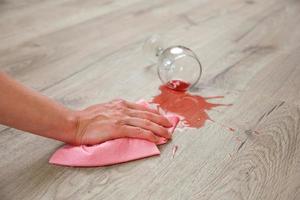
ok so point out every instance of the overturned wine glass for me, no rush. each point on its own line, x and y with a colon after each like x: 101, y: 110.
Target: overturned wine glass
x: 178, y: 67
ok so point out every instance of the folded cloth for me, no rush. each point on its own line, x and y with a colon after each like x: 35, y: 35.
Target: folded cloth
x: 109, y: 152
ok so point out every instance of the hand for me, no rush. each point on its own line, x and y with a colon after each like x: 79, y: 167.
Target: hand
x: 118, y: 119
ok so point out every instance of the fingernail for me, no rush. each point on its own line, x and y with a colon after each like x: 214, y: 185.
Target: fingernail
x: 161, y: 140
x: 169, y: 136
x: 169, y: 124
x: 157, y: 140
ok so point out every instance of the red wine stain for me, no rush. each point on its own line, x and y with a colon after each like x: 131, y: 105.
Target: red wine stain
x: 224, y: 126
x: 174, y: 150
x: 192, y: 107
x: 231, y: 129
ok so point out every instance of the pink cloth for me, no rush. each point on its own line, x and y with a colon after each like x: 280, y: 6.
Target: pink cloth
x: 110, y: 152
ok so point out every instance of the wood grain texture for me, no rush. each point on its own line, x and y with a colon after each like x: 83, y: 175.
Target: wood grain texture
x: 86, y: 52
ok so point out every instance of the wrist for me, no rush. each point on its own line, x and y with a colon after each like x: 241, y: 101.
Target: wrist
x: 70, y: 128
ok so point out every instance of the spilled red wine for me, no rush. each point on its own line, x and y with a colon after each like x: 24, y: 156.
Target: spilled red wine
x: 177, y: 100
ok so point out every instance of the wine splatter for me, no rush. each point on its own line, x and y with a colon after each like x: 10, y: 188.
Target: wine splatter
x: 225, y: 127
x: 174, y: 150
x: 231, y: 129
x: 192, y: 107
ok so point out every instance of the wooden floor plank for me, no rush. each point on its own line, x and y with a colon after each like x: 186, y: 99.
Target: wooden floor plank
x: 91, y: 41
x: 58, y: 54
x: 50, y: 16
x: 266, y: 165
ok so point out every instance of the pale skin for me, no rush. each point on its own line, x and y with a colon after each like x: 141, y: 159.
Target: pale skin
x: 25, y: 109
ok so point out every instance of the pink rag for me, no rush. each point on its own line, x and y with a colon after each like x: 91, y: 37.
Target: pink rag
x: 109, y: 152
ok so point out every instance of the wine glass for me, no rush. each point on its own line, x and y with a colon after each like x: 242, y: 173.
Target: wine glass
x: 178, y: 67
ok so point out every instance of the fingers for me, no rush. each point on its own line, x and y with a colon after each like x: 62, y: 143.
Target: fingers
x: 140, y: 111
x: 156, y: 118
x: 148, y: 125
x: 140, y: 107
x: 136, y: 132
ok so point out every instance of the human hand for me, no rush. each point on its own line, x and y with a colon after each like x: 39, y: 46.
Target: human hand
x: 118, y: 119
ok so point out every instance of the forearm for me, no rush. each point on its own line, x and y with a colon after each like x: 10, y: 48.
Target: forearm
x: 27, y: 110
